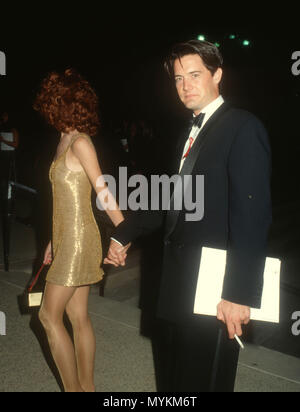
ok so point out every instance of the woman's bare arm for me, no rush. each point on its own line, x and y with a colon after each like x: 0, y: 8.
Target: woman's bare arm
x: 86, y: 154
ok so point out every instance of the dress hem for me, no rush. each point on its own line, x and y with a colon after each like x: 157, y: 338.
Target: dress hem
x: 75, y: 285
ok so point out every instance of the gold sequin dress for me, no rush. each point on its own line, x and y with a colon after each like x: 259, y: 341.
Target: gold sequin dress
x: 76, y: 240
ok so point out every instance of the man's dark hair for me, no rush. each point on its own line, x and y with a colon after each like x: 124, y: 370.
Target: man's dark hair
x: 208, y: 52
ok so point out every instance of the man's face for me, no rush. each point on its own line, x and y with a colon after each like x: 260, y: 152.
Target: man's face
x: 195, y: 84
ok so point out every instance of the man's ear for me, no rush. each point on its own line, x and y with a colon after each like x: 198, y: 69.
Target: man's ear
x: 218, y: 75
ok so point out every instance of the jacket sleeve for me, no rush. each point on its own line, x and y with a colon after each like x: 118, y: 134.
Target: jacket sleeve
x: 250, y: 215
x: 139, y: 223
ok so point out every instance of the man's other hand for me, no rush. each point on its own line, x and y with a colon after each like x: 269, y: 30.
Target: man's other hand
x: 233, y: 315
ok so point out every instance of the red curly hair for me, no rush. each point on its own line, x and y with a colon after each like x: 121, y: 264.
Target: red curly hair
x: 67, y: 101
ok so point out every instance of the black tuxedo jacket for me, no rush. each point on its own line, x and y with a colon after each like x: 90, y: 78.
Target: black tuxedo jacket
x: 232, y: 153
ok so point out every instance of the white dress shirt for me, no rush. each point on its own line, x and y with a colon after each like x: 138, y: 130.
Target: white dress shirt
x: 208, y: 111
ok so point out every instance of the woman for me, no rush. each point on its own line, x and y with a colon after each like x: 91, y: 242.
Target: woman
x: 68, y: 103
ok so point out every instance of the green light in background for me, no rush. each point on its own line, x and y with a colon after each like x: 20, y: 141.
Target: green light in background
x: 201, y: 37
x: 246, y: 43
x: 217, y: 44
x: 232, y: 36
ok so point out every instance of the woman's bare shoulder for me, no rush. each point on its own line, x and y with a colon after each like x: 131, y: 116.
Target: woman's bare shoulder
x: 82, y: 143
x: 81, y: 139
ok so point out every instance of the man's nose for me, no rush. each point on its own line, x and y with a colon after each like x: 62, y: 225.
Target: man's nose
x: 187, y: 84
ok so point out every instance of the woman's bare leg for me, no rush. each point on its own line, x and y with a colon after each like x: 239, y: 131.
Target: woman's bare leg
x: 51, y: 315
x: 84, y: 338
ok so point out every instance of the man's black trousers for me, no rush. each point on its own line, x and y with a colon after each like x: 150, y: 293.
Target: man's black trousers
x: 194, y: 355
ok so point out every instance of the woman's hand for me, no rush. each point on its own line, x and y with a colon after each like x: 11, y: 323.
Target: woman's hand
x: 117, y: 254
x: 48, y: 255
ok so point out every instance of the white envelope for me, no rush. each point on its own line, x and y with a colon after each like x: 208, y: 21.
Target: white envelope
x: 210, y: 286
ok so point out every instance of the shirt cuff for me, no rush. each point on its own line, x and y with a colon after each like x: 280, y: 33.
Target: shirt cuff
x: 115, y: 240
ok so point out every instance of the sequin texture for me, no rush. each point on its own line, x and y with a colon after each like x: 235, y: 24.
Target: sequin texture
x: 76, y: 240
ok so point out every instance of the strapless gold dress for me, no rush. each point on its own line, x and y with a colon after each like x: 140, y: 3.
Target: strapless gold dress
x: 76, y: 240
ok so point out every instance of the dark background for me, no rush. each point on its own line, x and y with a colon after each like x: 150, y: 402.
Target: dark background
x: 120, y: 49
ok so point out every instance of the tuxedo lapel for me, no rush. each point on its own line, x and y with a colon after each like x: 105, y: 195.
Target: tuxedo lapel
x: 189, y: 163
x: 179, y: 149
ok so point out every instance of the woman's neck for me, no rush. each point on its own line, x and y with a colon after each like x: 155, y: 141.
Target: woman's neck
x: 68, y: 135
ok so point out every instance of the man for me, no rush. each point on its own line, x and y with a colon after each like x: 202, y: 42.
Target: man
x: 230, y: 148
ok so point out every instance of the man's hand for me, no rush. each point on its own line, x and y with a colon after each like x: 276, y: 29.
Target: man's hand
x: 116, y: 254
x: 233, y: 315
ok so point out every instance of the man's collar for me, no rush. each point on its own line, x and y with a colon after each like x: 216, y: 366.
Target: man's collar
x: 212, y: 106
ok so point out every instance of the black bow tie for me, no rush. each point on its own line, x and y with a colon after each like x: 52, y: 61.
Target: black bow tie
x: 197, y: 120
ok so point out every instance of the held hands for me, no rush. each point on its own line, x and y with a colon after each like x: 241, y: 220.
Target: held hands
x: 116, y: 254
x: 233, y: 315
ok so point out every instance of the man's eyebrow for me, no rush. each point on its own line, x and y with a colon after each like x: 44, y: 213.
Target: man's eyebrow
x: 193, y: 72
